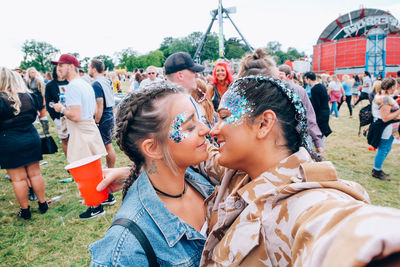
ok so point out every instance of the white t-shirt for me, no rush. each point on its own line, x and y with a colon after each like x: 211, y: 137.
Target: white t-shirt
x: 79, y: 93
x: 366, y: 81
x: 335, y: 86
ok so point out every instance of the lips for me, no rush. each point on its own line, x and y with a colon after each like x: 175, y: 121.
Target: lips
x: 202, y: 145
x: 221, y: 143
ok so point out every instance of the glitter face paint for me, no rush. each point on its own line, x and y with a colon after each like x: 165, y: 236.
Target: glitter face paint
x: 175, y: 132
x: 235, y: 102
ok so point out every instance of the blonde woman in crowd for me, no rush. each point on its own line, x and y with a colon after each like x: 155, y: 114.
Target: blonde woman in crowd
x: 34, y: 82
x: 335, y: 91
x: 347, y: 85
x: 20, y: 144
x: 115, y: 82
x: 209, y: 117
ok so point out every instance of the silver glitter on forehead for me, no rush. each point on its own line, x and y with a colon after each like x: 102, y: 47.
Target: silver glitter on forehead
x: 242, y: 107
x: 234, y: 101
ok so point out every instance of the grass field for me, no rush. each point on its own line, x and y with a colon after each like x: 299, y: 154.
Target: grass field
x: 59, y: 238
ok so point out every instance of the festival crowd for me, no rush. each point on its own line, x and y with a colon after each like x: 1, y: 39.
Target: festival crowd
x: 227, y: 167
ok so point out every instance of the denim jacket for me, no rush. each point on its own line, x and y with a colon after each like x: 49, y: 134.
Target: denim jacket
x: 174, y: 242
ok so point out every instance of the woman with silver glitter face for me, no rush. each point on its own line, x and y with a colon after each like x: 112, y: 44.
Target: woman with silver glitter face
x: 281, y: 208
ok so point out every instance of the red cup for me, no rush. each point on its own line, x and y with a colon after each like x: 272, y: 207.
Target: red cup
x: 87, y: 174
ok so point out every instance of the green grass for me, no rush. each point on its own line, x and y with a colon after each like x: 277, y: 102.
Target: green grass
x: 59, y: 238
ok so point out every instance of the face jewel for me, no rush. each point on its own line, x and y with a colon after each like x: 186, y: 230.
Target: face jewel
x: 175, y: 132
x: 236, y: 104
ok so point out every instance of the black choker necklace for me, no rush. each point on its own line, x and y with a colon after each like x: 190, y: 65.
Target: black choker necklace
x: 168, y: 195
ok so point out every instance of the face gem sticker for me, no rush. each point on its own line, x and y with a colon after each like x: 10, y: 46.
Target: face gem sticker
x: 236, y: 104
x: 176, y: 133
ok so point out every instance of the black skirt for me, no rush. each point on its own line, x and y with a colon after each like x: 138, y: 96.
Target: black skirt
x: 19, y: 147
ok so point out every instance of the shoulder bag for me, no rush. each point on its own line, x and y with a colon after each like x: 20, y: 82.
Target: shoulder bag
x: 141, y: 237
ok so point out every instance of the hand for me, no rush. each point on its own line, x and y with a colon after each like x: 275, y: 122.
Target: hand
x: 58, y: 106
x: 320, y: 150
x: 113, y: 179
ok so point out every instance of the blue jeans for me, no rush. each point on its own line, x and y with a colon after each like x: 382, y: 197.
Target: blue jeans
x: 334, y: 108
x: 383, y: 150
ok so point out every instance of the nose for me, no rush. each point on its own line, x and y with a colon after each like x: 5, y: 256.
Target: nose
x: 216, y: 129
x: 204, y: 130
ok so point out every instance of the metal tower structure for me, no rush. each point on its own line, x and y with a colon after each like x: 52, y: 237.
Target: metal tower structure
x: 376, y: 54
x: 221, y: 11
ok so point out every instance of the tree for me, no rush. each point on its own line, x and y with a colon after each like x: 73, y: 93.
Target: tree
x: 84, y: 63
x: 210, y: 50
x: 107, y: 60
x: 38, y: 55
x: 126, y: 58
x: 234, y: 48
x: 274, y: 49
x: 155, y: 58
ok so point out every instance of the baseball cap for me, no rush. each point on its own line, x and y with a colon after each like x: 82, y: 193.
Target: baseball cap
x: 181, y: 61
x: 67, y: 59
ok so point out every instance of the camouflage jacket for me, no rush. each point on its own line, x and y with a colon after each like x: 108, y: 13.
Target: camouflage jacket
x: 296, y: 214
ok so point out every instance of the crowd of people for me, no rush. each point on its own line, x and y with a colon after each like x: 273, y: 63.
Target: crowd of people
x: 227, y: 168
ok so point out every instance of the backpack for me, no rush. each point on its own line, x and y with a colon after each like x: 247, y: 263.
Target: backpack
x: 365, y: 117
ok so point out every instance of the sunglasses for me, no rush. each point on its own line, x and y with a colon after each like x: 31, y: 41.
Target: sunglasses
x: 151, y: 73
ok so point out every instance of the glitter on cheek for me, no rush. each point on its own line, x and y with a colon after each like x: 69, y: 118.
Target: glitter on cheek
x: 175, y: 132
x: 237, y: 105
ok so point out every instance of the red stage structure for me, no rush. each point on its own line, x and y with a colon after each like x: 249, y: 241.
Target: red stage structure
x: 364, y: 39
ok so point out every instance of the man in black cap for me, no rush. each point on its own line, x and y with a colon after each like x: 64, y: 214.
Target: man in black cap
x: 181, y: 69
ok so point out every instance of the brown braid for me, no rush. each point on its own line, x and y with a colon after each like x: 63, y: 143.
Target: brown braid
x: 139, y: 116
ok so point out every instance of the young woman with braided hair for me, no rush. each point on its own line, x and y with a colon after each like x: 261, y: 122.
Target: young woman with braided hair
x: 158, y: 130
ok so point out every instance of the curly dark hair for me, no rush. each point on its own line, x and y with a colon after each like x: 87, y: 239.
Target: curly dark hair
x: 141, y: 115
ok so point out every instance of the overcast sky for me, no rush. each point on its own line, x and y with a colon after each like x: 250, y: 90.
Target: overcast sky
x: 91, y: 28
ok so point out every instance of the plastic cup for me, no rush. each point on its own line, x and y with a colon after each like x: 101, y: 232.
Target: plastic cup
x: 87, y: 174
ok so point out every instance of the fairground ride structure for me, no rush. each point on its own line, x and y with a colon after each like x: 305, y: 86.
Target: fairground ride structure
x: 362, y: 40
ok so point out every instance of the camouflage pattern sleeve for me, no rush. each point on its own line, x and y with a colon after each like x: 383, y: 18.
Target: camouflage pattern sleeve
x: 298, y: 214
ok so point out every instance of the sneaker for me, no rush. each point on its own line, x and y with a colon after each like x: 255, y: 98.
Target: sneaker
x: 31, y: 194
x: 110, y: 201
x: 25, y: 213
x: 43, y: 207
x: 92, y: 212
x: 379, y: 175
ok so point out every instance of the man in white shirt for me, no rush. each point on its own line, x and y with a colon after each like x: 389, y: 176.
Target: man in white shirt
x: 85, y: 139
x: 152, y: 77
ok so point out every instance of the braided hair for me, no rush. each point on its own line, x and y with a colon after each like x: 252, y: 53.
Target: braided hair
x: 141, y: 115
